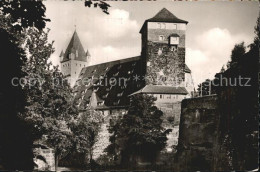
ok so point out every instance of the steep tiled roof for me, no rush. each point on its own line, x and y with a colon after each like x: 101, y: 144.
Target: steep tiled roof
x: 160, y: 89
x: 75, y: 45
x: 164, y: 16
x: 107, y: 94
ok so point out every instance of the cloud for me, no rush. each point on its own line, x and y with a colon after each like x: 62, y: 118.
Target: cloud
x: 113, y: 36
x: 212, y: 50
x: 118, y: 24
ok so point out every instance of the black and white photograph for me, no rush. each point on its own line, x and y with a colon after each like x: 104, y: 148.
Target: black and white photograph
x: 95, y: 85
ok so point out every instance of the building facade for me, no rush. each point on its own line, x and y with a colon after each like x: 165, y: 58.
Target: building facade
x: 160, y: 69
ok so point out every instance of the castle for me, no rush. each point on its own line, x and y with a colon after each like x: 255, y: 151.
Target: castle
x: 160, y: 71
x: 161, y: 63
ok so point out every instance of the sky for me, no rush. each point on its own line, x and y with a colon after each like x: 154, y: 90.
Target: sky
x: 213, y: 30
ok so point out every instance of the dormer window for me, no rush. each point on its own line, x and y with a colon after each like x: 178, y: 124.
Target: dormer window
x: 174, y: 39
x: 161, y: 38
x: 100, y: 103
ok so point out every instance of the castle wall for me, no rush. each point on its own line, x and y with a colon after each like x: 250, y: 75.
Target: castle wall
x: 198, y: 134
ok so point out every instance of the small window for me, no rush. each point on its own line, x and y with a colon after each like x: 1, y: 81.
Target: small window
x: 76, y: 64
x: 174, y: 38
x: 160, y: 51
x: 175, y: 26
x: 75, y: 72
x: 80, y: 65
x: 161, y: 96
x: 161, y: 38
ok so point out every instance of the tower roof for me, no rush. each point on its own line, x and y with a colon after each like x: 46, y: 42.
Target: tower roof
x: 61, y: 53
x: 164, y: 16
x: 87, y: 53
x: 75, y: 45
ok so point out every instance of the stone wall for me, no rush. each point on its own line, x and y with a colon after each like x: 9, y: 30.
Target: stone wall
x: 198, y: 134
x: 165, y: 66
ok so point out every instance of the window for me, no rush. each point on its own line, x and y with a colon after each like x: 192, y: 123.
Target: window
x: 174, y: 40
x: 161, y: 38
x: 75, y: 72
x: 161, y: 96
x: 76, y: 64
x: 160, y: 51
x: 175, y: 26
x: 80, y: 65
x: 173, y: 47
x: 169, y: 97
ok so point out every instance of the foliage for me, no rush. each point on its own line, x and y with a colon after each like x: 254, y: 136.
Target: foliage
x: 85, y: 128
x: 239, y: 108
x: 101, y: 4
x: 139, y: 133
x: 49, y: 105
x: 25, y: 14
x: 207, y: 88
x: 16, y: 142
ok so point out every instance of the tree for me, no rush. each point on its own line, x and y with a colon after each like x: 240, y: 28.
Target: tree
x: 16, y: 143
x: 25, y: 14
x: 85, y: 130
x: 49, y: 105
x: 222, y: 69
x: 139, y: 133
x: 237, y: 52
x: 101, y: 4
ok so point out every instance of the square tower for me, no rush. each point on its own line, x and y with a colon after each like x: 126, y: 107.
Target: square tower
x: 74, y: 59
x: 163, y: 48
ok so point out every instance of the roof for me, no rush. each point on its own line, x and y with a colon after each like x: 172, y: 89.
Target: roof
x: 161, y: 89
x: 174, y: 35
x: 164, y: 16
x: 187, y: 69
x: 107, y: 95
x: 75, y: 45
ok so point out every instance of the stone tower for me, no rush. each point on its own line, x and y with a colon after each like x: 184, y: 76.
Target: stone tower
x: 74, y: 59
x: 163, y: 48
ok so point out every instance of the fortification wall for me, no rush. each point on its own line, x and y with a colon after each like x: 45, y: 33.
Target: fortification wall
x: 198, y: 134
